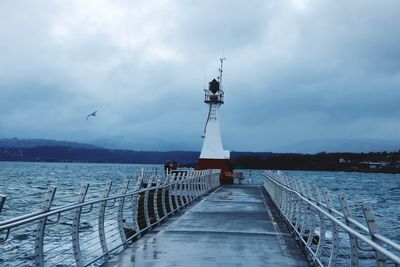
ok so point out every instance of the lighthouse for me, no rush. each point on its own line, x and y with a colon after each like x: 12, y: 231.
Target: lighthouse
x: 213, y: 155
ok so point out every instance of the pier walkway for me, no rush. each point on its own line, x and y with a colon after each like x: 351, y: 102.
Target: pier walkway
x: 233, y: 226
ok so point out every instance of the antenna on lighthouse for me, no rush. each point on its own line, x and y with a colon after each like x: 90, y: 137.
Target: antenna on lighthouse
x: 221, y: 71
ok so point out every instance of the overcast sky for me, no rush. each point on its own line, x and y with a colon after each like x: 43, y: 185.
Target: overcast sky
x: 296, y: 70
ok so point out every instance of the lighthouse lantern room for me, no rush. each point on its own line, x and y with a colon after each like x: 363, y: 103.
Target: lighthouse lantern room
x: 213, y: 155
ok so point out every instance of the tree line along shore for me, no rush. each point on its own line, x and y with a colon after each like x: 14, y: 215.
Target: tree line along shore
x: 386, y: 162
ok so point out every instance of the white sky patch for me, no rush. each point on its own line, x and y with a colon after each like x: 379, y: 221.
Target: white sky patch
x: 163, y: 53
x: 129, y: 26
x: 300, y: 4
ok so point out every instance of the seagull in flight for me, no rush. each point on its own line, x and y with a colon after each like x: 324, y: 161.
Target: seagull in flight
x: 91, y: 114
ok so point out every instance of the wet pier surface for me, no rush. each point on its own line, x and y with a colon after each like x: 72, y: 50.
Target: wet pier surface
x: 234, y: 226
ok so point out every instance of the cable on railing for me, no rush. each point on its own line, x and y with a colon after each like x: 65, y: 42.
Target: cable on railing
x: 278, y: 187
x: 159, y: 190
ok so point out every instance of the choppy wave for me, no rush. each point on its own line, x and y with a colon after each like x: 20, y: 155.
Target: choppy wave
x: 25, y: 185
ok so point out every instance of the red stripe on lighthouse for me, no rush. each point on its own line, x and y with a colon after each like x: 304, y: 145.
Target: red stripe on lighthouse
x: 221, y: 164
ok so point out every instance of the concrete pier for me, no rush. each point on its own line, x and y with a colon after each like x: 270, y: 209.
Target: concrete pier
x: 233, y: 226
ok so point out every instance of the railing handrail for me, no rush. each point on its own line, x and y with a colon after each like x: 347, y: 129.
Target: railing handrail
x: 322, y: 208
x: 171, y: 191
x: 351, y: 220
x: 36, y: 215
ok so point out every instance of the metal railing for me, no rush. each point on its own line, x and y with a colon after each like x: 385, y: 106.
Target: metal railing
x: 218, y: 97
x: 326, y: 228
x: 90, y: 230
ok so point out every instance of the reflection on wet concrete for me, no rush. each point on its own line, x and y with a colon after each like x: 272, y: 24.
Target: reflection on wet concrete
x: 231, y: 227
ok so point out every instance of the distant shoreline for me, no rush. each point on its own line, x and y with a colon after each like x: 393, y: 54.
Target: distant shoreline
x: 374, y: 162
x: 193, y: 165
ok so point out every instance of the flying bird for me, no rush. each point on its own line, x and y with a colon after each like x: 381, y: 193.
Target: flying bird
x: 91, y: 114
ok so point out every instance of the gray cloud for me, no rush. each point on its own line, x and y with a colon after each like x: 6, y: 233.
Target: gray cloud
x: 296, y: 70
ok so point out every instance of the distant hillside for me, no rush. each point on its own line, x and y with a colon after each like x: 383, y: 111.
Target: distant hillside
x: 93, y: 155
x: 25, y: 143
x: 101, y: 155
x: 366, y: 162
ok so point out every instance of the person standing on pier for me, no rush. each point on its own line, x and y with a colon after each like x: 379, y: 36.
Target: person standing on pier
x: 167, y: 168
x: 174, y: 165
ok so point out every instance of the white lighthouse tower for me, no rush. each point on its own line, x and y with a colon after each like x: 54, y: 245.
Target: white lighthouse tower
x: 213, y: 155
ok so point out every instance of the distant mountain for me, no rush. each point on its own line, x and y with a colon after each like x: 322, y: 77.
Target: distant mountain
x: 94, y: 155
x: 28, y: 143
x: 341, y: 145
x: 143, y: 143
x: 15, y: 149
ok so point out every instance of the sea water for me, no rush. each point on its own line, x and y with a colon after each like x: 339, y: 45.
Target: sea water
x: 25, y: 185
x: 28, y: 182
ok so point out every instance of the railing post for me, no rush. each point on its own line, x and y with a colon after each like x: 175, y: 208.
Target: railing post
x: 190, y: 182
x: 202, y: 182
x: 321, y: 241
x: 278, y: 195
x: 176, y: 191
x: 292, y: 203
x: 216, y: 179
x: 312, y: 219
x: 101, y: 220
x: 286, y: 195
x: 305, y: 212
x: 197, y: 188
x: 202, y: 175
x: 75, y: 227
x: 209, y: 177
x: 205, y: 178
x: 186, y: 189
x: 299, y: 209
x: 371, y: 224
x: 353, y: 240
x: 335, y: 232
x: 179, y: 189
x: 2, y: 201
x: 182, y: 190
x: 211, y: 180
x: 281, y: 196
x: 39, y: 255
x: 171, y: 189
x: 146, y: 203
x: 120, y: 213
x: 135, y: 205
x: 163, y: 197
x: 155, y: 200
